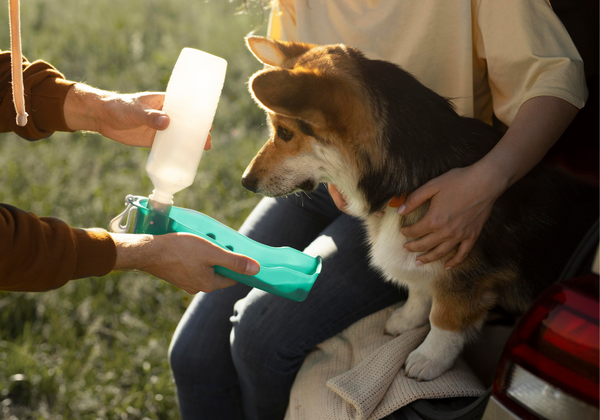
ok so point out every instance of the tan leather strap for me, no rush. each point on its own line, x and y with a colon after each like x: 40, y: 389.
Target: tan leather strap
x: 16, y: 62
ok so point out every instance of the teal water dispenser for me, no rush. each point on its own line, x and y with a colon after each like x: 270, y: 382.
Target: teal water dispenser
x: 191, y: 100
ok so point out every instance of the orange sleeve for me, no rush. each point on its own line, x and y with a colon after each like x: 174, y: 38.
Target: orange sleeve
x: 44, y: 253
x: 38, y: 254
x: 45, y: 92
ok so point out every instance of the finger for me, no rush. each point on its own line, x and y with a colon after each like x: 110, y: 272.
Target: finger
x: 418, y: 230
x: 423, y: 244
x: 236, y: 262
x: 208, y: 144
x: 434, y: 220
x: 436, y: 253
x: 463, y: 252
x: 417, y: 198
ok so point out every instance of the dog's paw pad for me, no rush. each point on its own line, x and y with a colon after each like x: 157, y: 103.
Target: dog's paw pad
x: 423, y: 368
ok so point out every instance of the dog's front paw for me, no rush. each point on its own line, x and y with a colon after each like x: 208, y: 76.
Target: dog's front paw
x: 435, y: 355
x: 402, y: 320
x: 423, y: 367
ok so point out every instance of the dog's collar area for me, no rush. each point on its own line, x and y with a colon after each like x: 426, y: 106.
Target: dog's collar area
x: 397, y: 201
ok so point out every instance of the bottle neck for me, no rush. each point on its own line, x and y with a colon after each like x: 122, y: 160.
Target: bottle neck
x: 160, y: 202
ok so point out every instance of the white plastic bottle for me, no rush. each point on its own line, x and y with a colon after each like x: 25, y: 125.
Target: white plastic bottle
x: 191, y: 101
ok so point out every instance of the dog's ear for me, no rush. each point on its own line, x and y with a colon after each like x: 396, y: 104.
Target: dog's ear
x: 299, y: 93
x: 275, y: 53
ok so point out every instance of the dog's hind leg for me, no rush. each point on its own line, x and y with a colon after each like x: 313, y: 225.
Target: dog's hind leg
x: 413, y: 314
x: 455, y: 320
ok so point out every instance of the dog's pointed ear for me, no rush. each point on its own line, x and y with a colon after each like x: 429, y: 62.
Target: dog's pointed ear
x: 275, y: 53
x: 294, y: 93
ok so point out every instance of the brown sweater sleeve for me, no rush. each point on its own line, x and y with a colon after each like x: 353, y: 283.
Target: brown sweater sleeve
x: 38, y: 254
x: 45, y: 92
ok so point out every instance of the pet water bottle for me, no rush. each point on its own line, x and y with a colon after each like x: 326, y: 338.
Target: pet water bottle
x: 191, y: 101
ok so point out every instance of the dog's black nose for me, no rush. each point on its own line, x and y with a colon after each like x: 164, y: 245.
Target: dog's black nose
x: 249, y: 182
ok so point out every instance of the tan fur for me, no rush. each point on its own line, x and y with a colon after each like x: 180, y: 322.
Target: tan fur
x: 306, y: 87
x: 279, y: 54
x: 459, y: 311
x: 276, y: 151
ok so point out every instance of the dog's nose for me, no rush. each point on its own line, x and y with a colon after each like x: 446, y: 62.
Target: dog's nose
x: 249, y: 182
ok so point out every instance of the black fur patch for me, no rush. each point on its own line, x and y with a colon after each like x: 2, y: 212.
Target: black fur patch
x: 534, y: 225
x: 306, y: 128
x: 423, y: 135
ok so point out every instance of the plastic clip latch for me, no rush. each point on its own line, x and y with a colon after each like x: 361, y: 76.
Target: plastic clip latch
x: 115, y: 224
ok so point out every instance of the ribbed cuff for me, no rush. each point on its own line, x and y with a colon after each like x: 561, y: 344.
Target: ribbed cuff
x: 47, y: 104
x: 96, y: 253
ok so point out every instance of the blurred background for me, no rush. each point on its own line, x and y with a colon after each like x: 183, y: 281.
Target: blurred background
x: 97, y: 348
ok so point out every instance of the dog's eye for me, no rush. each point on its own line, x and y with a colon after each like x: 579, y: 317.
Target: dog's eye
x: 284, y: 134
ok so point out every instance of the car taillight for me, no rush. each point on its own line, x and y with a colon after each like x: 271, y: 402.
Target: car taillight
x: 549, y: 368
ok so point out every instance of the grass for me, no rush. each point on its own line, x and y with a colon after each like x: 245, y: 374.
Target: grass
x: 97, y: 348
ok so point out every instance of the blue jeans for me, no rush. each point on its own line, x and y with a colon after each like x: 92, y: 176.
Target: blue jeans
x: 236, y: 351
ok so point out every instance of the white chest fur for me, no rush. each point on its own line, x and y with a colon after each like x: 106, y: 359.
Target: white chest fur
x: 388, y: 254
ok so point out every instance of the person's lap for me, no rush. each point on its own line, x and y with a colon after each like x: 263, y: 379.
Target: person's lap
x: 243, y: 366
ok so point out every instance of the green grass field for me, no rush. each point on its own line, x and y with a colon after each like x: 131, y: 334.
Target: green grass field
x: 97, y: 348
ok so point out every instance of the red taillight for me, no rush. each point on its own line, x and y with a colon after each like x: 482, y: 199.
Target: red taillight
x: 549, y: 367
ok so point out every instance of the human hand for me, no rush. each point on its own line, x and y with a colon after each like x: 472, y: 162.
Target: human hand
x: 186, y: 261
x: 461, y: 202
x: 131, y: 119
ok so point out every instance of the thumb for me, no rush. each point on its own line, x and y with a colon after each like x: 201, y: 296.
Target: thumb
x: 417, y: 198
x: 237, y: 262
x: 156, y: 119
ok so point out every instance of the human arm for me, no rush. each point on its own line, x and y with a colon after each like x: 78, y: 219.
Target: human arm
x: 55, y: 104
x: 44, y: 253
x: 537, y: 84
x: 131, y: 119
x: 462, y: 199
x: 45, y: 90
x: 182, y: 259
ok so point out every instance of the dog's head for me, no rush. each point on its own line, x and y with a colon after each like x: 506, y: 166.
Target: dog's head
x: 329, y: 112
x: 319, y: 115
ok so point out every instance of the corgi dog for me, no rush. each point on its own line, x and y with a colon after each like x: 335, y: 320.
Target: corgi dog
x: 376, y: 132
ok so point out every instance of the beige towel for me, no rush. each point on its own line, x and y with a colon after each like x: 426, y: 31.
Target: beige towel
x: 358, y: 375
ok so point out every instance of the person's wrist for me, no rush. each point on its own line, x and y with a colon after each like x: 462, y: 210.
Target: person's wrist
x: 135, y: 251
x: 495, y: 175
x: 83, y: 107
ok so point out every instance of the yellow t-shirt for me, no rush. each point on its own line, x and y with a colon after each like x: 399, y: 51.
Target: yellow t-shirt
x: 487, y: 56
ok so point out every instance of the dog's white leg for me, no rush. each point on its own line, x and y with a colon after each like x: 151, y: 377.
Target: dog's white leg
x: 413, y: 314
x: 451, y: 329
x: 436, y: 354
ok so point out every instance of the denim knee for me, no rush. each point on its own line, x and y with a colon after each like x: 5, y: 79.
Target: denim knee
x: 195, y: 365
x: 260, y: 343
x: 182, y: 362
